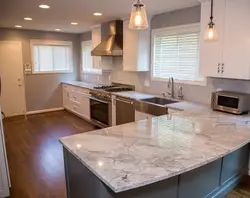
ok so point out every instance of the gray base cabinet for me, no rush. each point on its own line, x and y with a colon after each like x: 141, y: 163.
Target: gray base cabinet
x: 215, y: 180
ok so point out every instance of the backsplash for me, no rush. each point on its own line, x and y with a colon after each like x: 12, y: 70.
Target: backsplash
x: 195, y: 93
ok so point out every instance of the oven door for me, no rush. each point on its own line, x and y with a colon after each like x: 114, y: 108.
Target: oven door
x: 100, y: 112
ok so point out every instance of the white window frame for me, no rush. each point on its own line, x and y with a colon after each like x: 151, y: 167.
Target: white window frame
x: 174, y: 29
x: 89, y: 70
x: 52, y: 43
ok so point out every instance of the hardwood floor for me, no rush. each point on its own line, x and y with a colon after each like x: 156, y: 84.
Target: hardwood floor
x: 242, y: 191
x: 35, y: 155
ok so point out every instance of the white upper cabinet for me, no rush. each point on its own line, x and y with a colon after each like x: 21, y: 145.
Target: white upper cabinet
x: 96, y: 40
x: 229, y: 57
x: 236, y: 53
x: 136, y: 49
x: 211, y: 53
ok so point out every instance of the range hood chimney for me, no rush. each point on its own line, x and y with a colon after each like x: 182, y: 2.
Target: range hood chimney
x: 113, y: 44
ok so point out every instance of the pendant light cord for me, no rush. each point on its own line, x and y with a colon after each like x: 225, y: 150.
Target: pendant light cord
x: 212, y: 10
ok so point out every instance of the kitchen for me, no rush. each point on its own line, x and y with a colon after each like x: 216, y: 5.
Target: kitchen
x: 52, y: 52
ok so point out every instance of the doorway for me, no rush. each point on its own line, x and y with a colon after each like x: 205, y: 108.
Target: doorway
x: 12, y: 79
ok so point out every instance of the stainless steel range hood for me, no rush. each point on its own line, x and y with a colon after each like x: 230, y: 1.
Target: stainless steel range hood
x: 113, y: 44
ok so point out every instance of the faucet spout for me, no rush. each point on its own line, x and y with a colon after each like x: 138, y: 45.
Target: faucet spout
x: 171, y: 86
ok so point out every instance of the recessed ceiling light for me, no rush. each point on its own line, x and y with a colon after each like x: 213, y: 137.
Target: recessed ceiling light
x: 28, y: 19
x: 44, y: 6
x: 97, y: 14
x: 58, y: 30
x: 74, y: 23
x: 18, y: 26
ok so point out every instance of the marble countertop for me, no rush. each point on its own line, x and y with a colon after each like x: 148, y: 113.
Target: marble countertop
x: 136, y: 154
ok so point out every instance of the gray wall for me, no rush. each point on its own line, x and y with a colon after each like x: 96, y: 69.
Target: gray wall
x: 200, y: 94
x: 43, y: 90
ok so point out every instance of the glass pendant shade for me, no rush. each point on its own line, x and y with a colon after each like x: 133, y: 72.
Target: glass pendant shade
x: 211, y: 33
x: 138, y: 18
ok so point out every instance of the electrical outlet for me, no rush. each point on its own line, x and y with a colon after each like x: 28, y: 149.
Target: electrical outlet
x: 146, y: 83
x: 98, y: 78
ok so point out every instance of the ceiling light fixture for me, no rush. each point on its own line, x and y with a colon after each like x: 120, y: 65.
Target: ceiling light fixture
x: 74, y: 23
x: 210, y: 32
x: 28, y: 19
x: 138, y: 18
x: 58, y: 30
x: 18, y: 26
x: 44, y: 6
x: 97, y: 14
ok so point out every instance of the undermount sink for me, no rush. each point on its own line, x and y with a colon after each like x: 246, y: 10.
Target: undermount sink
x: 159, y: 101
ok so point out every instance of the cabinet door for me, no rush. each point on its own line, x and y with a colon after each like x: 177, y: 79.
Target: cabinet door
x: 65, y: 96
x: 130, y: 48
x: 236, y: 54
x: 211, y: 52
x: 96, y: 40
x: 85, y: 106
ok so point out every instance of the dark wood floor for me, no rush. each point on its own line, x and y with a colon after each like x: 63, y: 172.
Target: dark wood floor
x: 35, y: 155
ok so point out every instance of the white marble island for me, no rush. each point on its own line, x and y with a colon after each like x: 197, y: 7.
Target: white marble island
x: 138, y: 154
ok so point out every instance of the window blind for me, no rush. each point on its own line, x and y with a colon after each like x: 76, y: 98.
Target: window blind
x: 87, y: 60
x: 51, y: 58
x: 176, y: 54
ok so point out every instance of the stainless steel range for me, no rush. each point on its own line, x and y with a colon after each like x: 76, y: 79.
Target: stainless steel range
x: 101, y: 103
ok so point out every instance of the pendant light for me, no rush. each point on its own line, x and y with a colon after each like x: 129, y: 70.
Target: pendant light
x: 211, y: 33
x: 138, y: 18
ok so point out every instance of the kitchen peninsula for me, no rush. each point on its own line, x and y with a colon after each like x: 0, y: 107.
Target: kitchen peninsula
x: 185, y: 154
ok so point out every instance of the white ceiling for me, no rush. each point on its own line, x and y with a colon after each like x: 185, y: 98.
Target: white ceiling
x: 62, y: 12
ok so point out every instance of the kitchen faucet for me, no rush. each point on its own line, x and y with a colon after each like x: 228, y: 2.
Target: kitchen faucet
x: 171, y: 85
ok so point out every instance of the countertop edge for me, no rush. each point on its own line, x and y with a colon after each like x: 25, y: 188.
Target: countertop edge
x: 126, y: 188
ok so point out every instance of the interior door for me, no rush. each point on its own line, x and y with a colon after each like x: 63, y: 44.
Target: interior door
x: 12, y: 77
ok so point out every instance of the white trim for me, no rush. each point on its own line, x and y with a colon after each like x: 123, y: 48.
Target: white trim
x: 88, y: 70
x: 45, y: 111
x: 174, y: 29
x: 188, y: 82
x: 53, y: 43
x: 169, y: 30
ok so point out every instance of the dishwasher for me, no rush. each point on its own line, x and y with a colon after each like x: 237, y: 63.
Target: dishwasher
x: 125, y: 110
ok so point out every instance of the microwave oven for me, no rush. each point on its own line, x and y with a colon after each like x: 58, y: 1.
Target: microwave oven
x: 230, y: 102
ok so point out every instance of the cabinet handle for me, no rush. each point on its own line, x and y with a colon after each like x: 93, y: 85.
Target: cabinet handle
x: 222, y: 68
x: 218, y: 71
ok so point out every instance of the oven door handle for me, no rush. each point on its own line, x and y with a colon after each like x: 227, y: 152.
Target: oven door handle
x: 92, y: 98
x: 125, y: 101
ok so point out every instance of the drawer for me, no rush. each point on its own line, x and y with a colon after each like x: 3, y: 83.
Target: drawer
x: 66, y: 87
x: 80, y: 90
x: 75, y: 106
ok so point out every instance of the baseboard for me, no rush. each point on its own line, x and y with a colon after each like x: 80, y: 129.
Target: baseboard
x: 225, y: 188
x: 44, y: 111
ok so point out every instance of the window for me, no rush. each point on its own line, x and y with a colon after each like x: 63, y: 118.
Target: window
x: 175, y: 53
x: 51, y: 57
x: 87, y: 59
